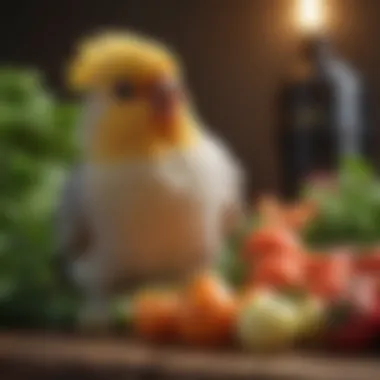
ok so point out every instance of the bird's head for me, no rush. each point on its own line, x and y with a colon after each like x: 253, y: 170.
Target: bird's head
x: 136, y: 103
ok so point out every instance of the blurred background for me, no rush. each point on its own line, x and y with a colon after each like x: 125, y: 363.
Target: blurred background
x: 236, y: 54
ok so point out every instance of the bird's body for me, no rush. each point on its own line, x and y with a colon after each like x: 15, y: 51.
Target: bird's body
x: 155, y: 219
x: 156, y: 192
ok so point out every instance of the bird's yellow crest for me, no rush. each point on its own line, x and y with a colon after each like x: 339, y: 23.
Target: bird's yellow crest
x: 104, y: 57
x: 147, y: 114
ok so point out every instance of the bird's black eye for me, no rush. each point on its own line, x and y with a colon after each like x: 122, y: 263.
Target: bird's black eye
x: 123, y: 91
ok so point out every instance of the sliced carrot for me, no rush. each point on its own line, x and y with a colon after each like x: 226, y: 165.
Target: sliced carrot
x: 208, y: 312
x: 297, y: 216
x: 329, y: 276
x: 267, y: 241
x: 156, y: 316
x: 294, y: 216
x: 282, y: 270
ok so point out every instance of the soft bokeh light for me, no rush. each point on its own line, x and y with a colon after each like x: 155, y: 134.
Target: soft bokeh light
x: 310, y: 15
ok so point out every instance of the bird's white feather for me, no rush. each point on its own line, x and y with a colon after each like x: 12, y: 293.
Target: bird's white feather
x: 161, y: 216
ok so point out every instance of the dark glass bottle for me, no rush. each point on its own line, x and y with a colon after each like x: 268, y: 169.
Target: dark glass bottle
x: 321, y: 117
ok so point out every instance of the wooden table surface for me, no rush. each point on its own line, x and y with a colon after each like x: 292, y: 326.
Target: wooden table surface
x: 30, y: 356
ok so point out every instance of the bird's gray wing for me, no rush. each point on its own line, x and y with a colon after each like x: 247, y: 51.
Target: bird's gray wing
x: 236, y: 198
x: 73, y: 235
x: 234, y: 184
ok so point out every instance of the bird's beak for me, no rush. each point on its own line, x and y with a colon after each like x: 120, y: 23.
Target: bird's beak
x: 165, y: 100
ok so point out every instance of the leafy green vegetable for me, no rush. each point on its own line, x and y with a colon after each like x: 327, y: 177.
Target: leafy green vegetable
x: 350, y: 210
x: 36, y: 146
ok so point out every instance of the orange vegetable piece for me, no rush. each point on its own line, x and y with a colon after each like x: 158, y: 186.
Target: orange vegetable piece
x: 208, y: 313
x: 267, y: 241
x: 297, y: 216
x: 329, y: 276
x: 282, y: 270
x: 156, y: 316
x: 292, y: 216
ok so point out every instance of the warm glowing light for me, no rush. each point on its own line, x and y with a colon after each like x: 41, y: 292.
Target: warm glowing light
x: 310, y: 15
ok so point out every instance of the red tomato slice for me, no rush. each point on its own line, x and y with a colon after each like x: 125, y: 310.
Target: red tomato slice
x: 368, y: 262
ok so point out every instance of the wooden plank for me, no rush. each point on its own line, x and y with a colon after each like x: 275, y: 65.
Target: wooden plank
x: 46, y: 356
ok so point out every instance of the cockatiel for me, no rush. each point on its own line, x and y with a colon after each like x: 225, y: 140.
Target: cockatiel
x: 156, y: 192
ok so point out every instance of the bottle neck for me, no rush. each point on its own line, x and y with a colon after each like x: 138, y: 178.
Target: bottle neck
x: 315, y: 54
